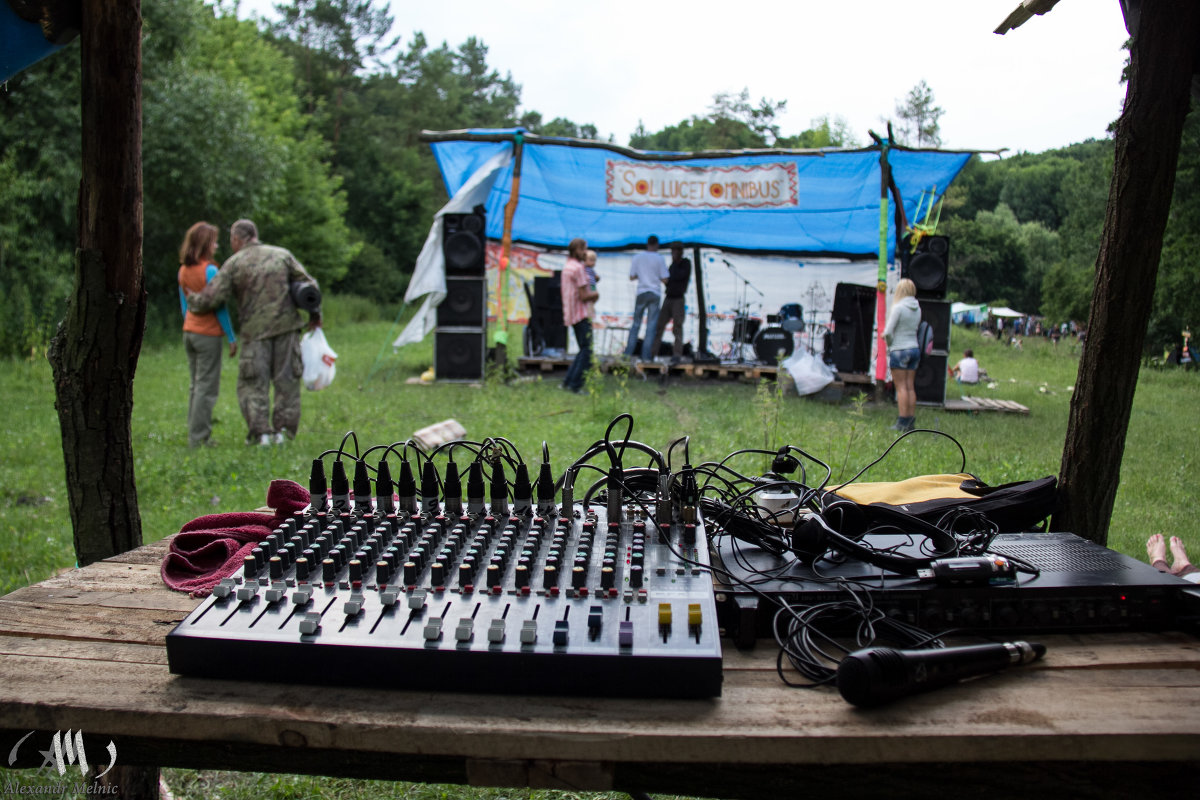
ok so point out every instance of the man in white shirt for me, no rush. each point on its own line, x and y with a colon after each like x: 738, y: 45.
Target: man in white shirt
x: 650, y: 271
x: 967, y: 369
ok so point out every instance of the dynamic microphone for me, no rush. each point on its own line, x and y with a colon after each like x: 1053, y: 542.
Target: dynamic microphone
x: 878, y: 675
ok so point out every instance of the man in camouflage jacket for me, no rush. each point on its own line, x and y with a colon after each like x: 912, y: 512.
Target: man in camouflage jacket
x: 260, y: 276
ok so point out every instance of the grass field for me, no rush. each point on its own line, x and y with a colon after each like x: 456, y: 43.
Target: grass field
x: 176, y: 484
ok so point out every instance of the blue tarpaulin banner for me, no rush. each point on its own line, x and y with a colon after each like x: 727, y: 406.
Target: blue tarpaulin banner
x: 803, y: 202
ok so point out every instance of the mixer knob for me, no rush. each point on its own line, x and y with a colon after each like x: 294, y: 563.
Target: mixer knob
x: 549, y: 577
x: 410, y: 573
x: 494, y: 576
x: 328, y: 571
x: 383, y: 572
x: 521, y: 575
x: 276, y: 567
x: 437, y: 573
x: 249, y: 569
x: 302, y: 568
x: 466, y: 575
x: 578, y: 577
x: 689, y: 533
x: 607, y: 575
x: 635, y: 576
x: 355, y: 570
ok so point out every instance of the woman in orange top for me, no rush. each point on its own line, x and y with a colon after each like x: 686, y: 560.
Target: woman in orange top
x: 202, y: 332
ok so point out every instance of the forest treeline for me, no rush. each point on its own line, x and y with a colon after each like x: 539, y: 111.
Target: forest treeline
x: 308, y: 123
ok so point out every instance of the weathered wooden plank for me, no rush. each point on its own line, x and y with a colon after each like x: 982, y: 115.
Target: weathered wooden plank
x: 1132, y: 714
x: 110, y: 652
x: 88, y: 622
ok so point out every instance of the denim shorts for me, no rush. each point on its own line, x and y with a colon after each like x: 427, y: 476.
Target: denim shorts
x: 908, y: 358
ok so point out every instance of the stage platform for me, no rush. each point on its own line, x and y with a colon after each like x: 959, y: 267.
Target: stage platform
x: 748, y: 371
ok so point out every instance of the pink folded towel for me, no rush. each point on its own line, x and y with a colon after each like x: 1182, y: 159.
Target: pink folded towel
x: 214, y: 546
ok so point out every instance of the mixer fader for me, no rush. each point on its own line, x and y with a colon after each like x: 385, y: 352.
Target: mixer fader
x: 426, y: 592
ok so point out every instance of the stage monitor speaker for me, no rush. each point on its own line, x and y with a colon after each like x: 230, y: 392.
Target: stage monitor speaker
x: 937, y: 314
x: 459, y: 353
x: 464, y: 243
x: 930, y: 380
x: 848, y: 350
x: 547, y: 293
x: 853, y: 323
x: 465, y: 304
x: 928, y: 266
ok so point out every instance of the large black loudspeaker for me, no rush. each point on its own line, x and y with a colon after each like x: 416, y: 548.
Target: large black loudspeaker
x: 458, y: 354
x: 546, y: 316
x: 853, y: 322
x: 927, y: 266
x: 465, y: 304
x: 464, y: 243
x: 930, y: 380
x: 937, y: 314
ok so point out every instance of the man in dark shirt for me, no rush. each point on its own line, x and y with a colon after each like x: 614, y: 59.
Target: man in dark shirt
x: 678, y: 276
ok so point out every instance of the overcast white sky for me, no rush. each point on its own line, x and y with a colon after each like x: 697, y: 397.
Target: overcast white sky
x: 1052, y: 82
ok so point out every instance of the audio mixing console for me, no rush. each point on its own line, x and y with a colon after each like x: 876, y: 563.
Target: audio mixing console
x: 586, y: 599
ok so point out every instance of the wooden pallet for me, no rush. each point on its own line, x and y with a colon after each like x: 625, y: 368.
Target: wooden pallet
x: 976, y: 404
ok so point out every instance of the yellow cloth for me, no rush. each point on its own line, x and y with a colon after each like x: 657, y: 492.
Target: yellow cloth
x: 912, y: 490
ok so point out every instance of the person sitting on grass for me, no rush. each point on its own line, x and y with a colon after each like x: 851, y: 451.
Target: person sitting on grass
x: 967, y: 368
x: 1156, y: 549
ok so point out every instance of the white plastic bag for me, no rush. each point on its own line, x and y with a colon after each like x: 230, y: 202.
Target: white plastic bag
x: 320, y: 362
x: 810, y: 373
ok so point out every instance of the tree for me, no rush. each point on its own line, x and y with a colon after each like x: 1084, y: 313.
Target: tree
x: 918, y: 118
x: 733, y: 123
x: 826, y: 131
x: 1148, y: 136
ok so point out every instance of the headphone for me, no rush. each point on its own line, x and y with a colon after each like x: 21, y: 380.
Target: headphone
x: 841, y: 524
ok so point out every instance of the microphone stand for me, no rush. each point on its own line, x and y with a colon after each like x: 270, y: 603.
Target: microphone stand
x: 742, y: 310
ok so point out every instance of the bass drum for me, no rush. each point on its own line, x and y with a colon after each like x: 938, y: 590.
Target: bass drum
x: 773, y: 344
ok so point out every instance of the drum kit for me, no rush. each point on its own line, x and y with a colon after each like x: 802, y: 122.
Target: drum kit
x: 772, y: 342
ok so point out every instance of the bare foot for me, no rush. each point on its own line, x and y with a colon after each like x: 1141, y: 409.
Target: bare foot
x: 1156, y: 548
x: 1178, y: 555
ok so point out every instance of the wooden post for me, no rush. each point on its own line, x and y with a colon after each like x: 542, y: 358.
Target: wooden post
x: 500, y: 340
x: 95, y: 352
x: 701, y: 302
x: 885, y: 177
x: 1165, y: 45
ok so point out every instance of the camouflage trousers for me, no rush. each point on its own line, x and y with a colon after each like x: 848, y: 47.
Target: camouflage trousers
x: 270, y: 361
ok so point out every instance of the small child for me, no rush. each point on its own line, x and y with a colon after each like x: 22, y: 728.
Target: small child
x: 589, y: 266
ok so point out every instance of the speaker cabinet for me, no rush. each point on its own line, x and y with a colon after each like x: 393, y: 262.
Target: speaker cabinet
x: 464, y: 243
x: 928, y: 266
x: 853, y: 323
x: 465, y: 305
x: 459, y: 353
x: 930, y: 380
x: 937, y: 314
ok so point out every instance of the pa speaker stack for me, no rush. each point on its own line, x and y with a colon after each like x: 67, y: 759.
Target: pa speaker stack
x: 853, y: 322
x: 459, y: 344
x: 928, y: 265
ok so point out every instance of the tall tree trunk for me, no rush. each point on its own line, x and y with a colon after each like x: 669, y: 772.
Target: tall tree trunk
x: 1163, y: 58
x: 95, y: 351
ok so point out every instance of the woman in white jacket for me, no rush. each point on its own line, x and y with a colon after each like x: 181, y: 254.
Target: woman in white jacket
x: 904, y: 354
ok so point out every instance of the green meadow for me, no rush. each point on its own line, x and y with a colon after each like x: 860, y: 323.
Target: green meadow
x: 176, y: 484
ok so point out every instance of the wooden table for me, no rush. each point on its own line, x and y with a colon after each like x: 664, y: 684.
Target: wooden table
x: 1102, y: 715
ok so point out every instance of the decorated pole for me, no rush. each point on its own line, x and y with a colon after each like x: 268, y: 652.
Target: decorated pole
x: 500, y: 338
x: 885, y: 178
